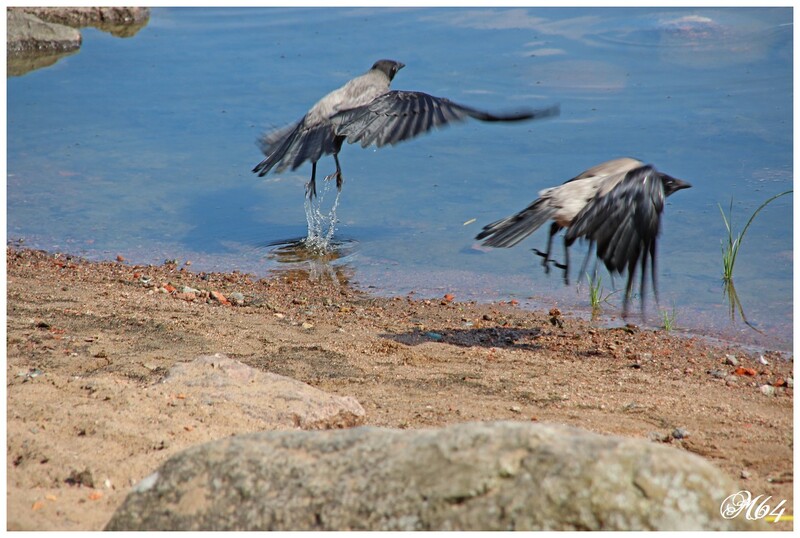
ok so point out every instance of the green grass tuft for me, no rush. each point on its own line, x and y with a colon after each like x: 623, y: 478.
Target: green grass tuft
x: 731, y: 249
x: 668, y: 319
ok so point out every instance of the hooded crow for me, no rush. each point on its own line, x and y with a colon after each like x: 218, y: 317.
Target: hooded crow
x: 364, y: 110
x: 616, y: 205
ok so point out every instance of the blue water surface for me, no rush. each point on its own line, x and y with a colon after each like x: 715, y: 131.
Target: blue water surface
x: 143, y: 146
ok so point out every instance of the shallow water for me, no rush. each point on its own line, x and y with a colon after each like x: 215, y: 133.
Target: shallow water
x: 142, y: 147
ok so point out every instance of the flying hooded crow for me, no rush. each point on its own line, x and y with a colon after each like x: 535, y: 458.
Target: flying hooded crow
x: 365, y: 110
x: 616, y: 205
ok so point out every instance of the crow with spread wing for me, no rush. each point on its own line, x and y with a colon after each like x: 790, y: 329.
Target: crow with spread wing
x: 365, y: 110
x: 616, y: 205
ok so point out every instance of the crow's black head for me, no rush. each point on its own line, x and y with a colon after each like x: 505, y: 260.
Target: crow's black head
x: 389, y: 67
x: 672, y: 184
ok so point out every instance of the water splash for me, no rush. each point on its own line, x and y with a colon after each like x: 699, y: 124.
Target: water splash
x: 321, y: 225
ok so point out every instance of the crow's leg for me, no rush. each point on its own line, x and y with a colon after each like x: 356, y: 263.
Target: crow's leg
x: 565, y: 267
x: 311, y: 186
x: 337, y: 174
x: 554, y: 227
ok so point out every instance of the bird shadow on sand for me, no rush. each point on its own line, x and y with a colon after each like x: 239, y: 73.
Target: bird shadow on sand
x: 497, y: 337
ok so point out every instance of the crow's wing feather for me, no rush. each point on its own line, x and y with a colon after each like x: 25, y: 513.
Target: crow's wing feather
x: 309, y: 145
x: 625, y: 222
x: 290, y: 146
x: 399, y: 115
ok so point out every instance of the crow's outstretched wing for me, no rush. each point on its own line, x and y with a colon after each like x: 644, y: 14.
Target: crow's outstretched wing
x: 626, y: 221
x: 399, y: 115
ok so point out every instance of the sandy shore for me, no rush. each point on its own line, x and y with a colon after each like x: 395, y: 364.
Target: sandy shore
x: 86, y: 340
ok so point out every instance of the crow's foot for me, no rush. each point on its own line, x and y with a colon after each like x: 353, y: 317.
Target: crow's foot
x: 339, y: 178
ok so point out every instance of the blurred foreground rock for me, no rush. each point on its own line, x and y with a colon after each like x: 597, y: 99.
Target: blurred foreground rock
x: 474, y: 476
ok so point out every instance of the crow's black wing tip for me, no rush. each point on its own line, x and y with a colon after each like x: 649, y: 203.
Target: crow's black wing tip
x: 522, y: 115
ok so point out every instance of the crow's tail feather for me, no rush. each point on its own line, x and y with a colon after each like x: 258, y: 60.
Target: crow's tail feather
x: 274, y: 145
x: 511, y: 230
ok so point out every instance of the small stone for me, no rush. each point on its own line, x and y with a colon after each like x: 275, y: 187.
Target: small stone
x: 515, y: 409
x: 789, y: 382
x: 762, y: 360
x: 237, y: 298
x: 679, y: 433
x: 307, y: 325
x: 720, y: 374
x: 745, y: 474
x: 658, y: 437
x: 189, y: 289
x: 217, y: 296
x: 82, y: 478
x: 767, y: 390
x: 731, y: 360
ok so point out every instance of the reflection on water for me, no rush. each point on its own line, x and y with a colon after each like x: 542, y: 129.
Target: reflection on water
x: 19, y: 64
x: 735, y: 304
x: 300, y: 250
x: 301, y: 259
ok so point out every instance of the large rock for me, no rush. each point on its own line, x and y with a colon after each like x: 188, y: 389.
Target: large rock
x: 476, y: 476
x: 274, y: 400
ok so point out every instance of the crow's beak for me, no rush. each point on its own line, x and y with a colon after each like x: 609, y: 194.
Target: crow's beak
x: 400, y: 65
x: 672, y: 184
x: 677, y: 184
